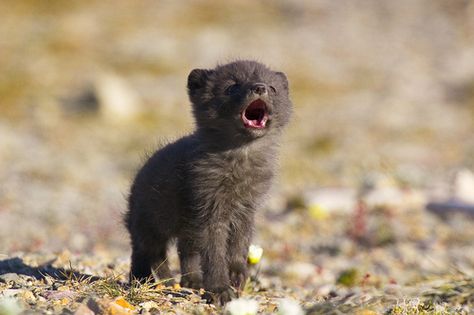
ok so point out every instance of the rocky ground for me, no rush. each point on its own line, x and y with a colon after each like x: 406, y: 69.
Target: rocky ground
x: 386, y: 260
x: 383, y: 125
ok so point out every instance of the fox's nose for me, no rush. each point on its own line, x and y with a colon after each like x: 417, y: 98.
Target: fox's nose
x: 259, y: 88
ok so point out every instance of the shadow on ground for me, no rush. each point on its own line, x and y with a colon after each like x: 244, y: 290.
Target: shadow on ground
x: 18, y: 266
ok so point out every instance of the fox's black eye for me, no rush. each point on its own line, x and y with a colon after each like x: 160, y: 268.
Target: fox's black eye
x: 232, y: 89
x: 272, y: 88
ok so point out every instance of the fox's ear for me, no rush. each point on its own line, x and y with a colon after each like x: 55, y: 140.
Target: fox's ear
x: 283, y: 79
x: 197, y: 79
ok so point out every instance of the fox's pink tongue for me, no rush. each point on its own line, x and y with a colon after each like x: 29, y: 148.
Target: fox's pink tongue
x: 256, y: 123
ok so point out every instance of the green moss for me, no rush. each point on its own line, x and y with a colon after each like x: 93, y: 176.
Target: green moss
x: 348, y: 278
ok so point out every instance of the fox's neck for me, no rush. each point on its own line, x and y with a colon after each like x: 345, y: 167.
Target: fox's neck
x: 214, y: 142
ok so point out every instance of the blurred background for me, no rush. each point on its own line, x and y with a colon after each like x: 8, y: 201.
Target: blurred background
x: 384, y: 107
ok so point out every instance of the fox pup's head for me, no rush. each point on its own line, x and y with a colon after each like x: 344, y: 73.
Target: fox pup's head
x: 239, y: 100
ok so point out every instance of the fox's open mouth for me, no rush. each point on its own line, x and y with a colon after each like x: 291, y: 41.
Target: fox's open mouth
x: 255, y: 115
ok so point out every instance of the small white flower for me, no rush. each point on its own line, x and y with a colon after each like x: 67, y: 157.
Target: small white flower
x: 414, y: 303
x: 242, y: 307
x: 255, y: 254
x: 289, y: 307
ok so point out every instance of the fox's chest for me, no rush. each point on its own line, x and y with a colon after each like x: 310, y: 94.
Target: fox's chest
x: 231, y: 180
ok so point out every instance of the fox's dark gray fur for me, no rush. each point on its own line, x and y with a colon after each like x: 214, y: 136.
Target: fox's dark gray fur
x: 204, y: 188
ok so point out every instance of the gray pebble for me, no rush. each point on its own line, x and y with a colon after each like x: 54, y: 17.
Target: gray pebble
x: 10, y: 278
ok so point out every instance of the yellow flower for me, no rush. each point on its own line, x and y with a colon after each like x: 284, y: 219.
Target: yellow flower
x: 318, y: 212
x: 255, y: 254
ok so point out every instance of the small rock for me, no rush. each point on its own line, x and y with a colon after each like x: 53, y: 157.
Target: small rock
x: 324, y: 290
x: 58, y: 295
x: 464, y: 186
x: 148, y: 305
x: 384, y: 196
x: 83, y: 310
x: 95, y: 305
x: 79, y: 242
x: 332, y: 199
x: 365, y: 312
x: 11, y: 292
x: 62, y: 288
x: 300, y: 270
x: 118, y: 101
x: 10, y: 278
x: 28, y: 296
